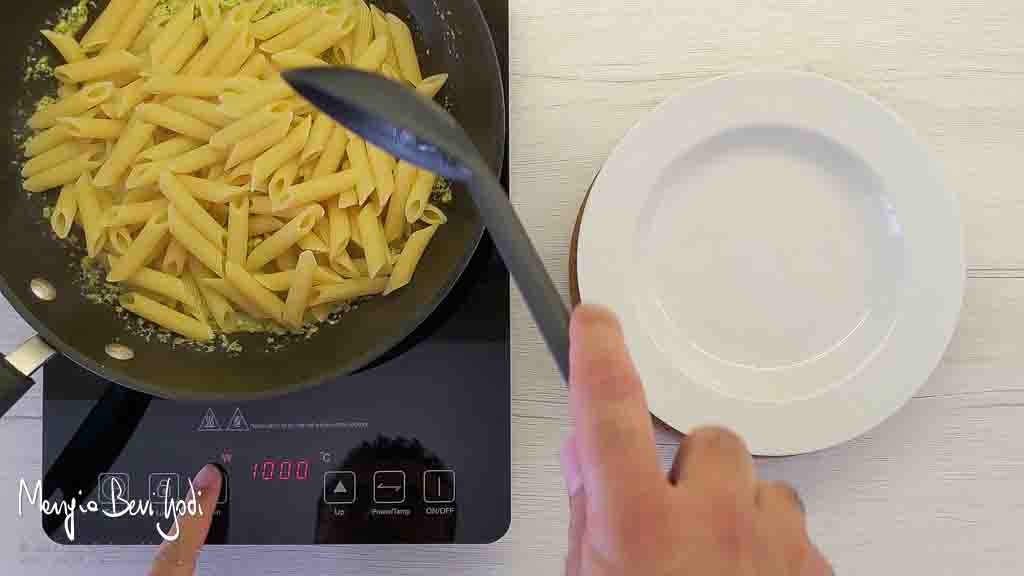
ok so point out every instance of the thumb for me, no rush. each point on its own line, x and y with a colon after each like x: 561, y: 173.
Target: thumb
x: 615, y: 438
x: 178, y: 557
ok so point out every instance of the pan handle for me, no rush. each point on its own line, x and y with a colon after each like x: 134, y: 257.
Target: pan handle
x: 17, y: 368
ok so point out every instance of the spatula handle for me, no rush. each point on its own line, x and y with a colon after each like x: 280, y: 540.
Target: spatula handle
x: 515, y: 247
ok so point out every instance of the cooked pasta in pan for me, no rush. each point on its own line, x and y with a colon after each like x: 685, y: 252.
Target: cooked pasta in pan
x: 211, y: 191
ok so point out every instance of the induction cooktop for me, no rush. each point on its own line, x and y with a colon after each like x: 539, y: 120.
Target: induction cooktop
x: 416, y: 449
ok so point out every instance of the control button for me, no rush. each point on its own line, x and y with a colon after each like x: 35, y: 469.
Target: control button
x: 113, y: 486
x: 163, y: 487
x: 439, y: 486
x: 389, y: 487
x: 340, y: 487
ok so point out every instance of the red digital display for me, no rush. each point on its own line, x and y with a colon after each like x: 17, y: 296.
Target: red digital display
x: 280, y: 469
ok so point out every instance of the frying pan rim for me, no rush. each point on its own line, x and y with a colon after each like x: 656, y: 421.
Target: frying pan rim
x: 112, y: 374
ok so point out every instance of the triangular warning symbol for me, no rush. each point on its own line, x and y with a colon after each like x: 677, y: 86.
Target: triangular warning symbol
x: 237, y: 422
x: 209, y: 423
x: 340, y: 488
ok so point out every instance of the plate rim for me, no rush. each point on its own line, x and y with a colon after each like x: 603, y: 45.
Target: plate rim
x: 924, y: 171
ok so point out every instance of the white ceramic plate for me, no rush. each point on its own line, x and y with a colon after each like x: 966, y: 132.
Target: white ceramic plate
x: 783, y: 256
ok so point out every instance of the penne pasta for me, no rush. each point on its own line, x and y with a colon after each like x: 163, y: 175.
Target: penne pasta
x: 313, y: 243
x: 361, y: 164
x: 130, y: 27
x: 202, y: 110
x: 296, y: 58
x: 160, y: 283
x: 255, y: 67
x: 279, y: 154
x: 169, y: 149
x: 282, y: 281
x: 348, y: 199
x: 210, y: 14
x: 175, y: 121
x: 229, y: 291
x: 91, y: 213
x: 363, y: 35
x: 287, y: 261
x: 263, y: 299
x: 182, y: 51
x: 353, y: 221
x: 395, y: 223
x: 283, y: 180
x: 282, y: 240
x: 196, y: 160
x: 405, y: 49
x: 103, y: 66
x: 262, y: 225
x: 195, y: 243
x: 178, y: 85
x: 407, y: 263
x: 229, y: 30
x: 434, y: 216
x: 149, y: 33
x: 261, y: 9
x: 374, y: 55
x: 132, y: 214
x: 431, y: 86
x: 328, y: 35
x: 53, y: 158
x: 64, y: 173
x: 178, y: 194
x: 171, y: 34
x: 319, y: 134
x: 419, y: 196
x: 331, y: 159
x: 299, y: 293
x: 302, y: 30
x: 106, y: 25
x: 138, y: 195
x: 267, y: 93
x: 317, y: 190
x: 220, y: 309
x: 175, y: 259
x: 93, y: 128
x: 211, y: 191
x: 236, y: 56
x: 276, y: 24
x: 254, y: 146
x: 378, y: 254
x: 348, y: 290
x: 340, y: 231
x: 239, y: 130
x: 238, y: 231
x: 382, y: 166
x: 142, y: 250
x: 134, y: 138
x: 74, y: 105
x: 65, y: 211
x: 47, y: 140
x: 68, y: 47
x: 166, y: 317
x: 119, y: 240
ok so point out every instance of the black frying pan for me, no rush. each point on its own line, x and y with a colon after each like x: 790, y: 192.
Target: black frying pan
x: 459, y: 43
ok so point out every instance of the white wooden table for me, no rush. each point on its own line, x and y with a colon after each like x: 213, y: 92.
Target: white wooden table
x: 938, y: 489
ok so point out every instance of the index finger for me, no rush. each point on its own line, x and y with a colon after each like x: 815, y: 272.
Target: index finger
x: 178, y: 557
x: 615, y: 437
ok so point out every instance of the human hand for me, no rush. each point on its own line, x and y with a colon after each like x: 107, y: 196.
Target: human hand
x: 709, y: 516
x: 178, y: 557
